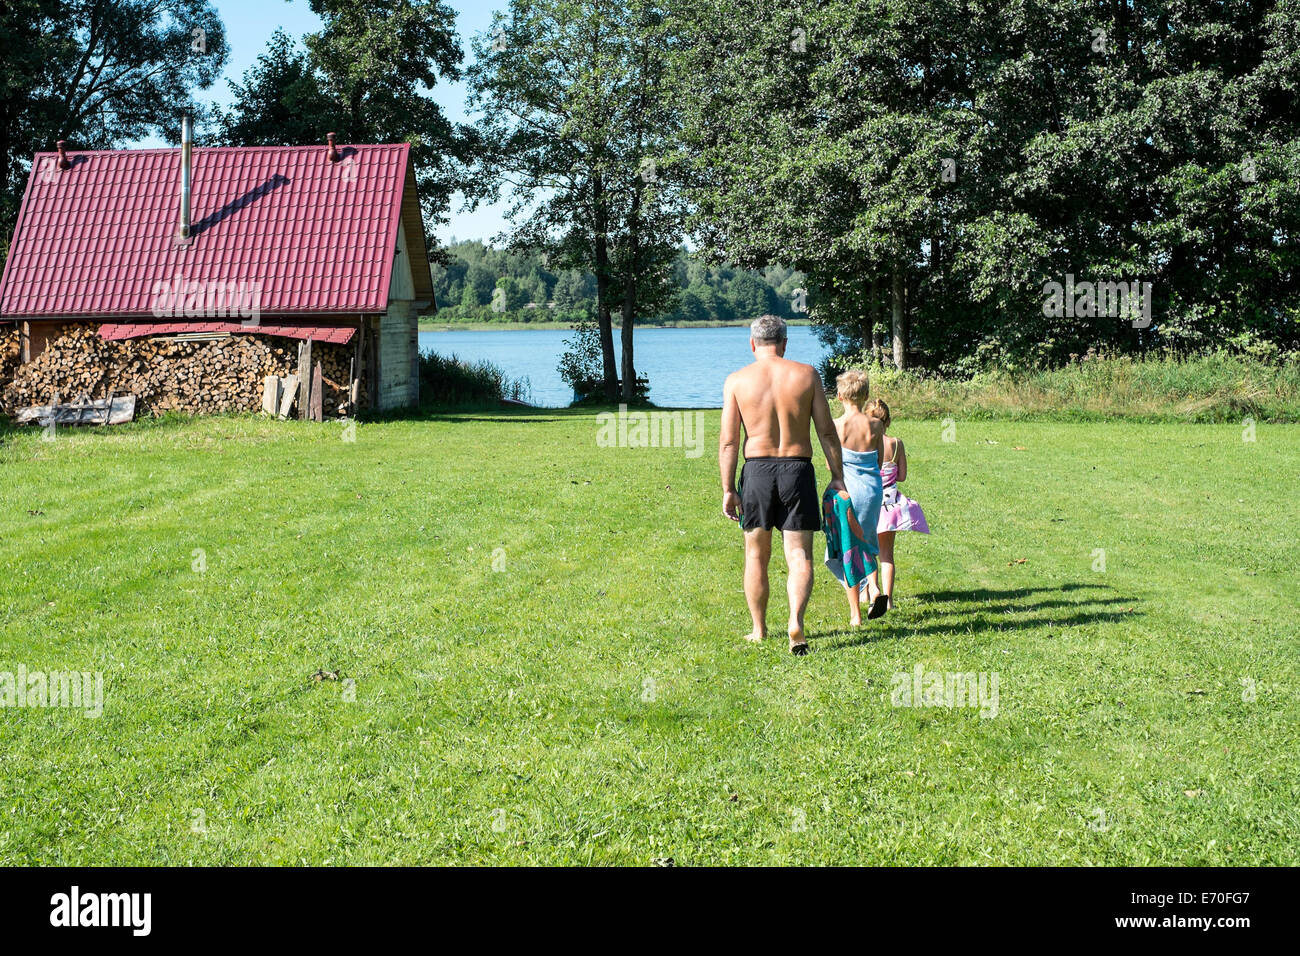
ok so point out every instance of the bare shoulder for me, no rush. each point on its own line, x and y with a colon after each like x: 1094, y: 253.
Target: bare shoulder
x: 803, y: 372
x: 735, y: 378
x: 744, y: 373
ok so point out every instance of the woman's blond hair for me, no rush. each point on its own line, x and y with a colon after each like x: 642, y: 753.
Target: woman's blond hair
x: 877, y: 409
x: 853, y: 386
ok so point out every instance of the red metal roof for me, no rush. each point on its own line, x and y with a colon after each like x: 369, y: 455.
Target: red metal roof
x: 318, y: 333
x: 314, y: 236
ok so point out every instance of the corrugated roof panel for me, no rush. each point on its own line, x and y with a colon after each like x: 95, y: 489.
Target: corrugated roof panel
x: 310, y: 235
x: 133, y: 330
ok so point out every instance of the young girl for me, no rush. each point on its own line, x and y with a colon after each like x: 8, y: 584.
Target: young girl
x: 860, y: 444
x: 897, y: 511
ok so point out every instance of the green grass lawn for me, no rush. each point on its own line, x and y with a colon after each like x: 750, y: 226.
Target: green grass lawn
x: 590, y: 699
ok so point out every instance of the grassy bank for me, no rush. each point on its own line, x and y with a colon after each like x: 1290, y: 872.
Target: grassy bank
x: 1213, y: 388
x: 537, y: 645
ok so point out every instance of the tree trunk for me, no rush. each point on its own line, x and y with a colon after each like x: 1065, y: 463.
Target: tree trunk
x: 629, y: 368
x: 629, y: 291
x: 900, y: 322
x: 877, y: 341
x: 602, y: 287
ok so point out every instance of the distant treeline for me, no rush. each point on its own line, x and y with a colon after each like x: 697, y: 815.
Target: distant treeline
x: 483, y: 284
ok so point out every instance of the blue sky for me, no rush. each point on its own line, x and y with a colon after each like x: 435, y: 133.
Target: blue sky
x: 249, y: 25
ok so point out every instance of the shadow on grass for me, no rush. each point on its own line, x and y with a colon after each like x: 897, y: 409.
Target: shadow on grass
x: 1089, y: 608
x: 990, y: 594
x: 494, y: 412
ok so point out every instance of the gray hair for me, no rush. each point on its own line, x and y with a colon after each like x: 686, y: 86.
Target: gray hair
x: 768, y: 330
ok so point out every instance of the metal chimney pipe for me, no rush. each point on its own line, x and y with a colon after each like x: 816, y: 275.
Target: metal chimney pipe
x: 187, y: 148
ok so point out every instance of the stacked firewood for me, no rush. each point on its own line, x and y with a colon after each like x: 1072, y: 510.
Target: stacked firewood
x: 193, y: 377
x: 10, y: 353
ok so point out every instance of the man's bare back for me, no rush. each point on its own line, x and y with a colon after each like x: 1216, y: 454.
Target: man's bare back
x: 775, y: 399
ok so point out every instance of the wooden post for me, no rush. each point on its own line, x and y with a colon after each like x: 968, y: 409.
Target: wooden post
x: 358, y: 365
x: 317, y: 401
x: 297, y: 369
x: 304, y: 379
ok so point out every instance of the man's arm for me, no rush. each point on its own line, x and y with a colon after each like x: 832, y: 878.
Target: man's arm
x: 826, y: 433
x: 729, y: 450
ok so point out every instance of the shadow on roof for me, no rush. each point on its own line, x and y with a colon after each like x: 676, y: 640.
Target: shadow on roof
x: 234, y: 206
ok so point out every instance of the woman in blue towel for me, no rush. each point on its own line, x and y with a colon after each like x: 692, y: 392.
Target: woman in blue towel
x: 860, y: 437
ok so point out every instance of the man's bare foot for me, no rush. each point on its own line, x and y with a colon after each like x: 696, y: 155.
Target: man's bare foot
x: 755, y: 637
x: 798, y: 643
x: 855, y: 619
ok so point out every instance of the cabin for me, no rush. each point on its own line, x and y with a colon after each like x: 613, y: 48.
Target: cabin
x: 195, y: 278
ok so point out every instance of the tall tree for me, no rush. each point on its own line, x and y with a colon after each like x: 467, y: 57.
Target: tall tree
x: 377, y: 59
x: 654, y: 212
x: 574, y: 132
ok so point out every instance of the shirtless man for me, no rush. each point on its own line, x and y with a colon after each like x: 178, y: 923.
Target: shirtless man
x: 774, y: 399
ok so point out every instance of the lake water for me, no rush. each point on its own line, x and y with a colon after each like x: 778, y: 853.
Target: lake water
x: 686, y: 367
